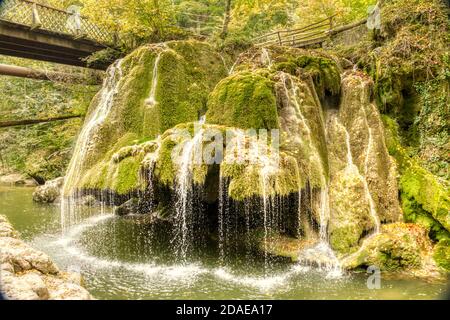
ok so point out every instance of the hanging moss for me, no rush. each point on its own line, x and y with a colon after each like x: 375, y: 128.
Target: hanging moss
x: 187, y: 72
x: 244, y: 100
x: 323, y: 71
x: 246, y: 179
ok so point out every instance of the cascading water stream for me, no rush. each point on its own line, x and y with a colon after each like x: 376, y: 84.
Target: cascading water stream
x: 321, y: 254
x: 373, y: 211
x: 69, y: 210
x: 351, y: 167
x: 265, y: 58
x: 151, y: 100
x: 184, y: 193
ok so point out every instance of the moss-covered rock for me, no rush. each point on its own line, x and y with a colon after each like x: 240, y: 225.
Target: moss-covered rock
x: 185, y: 72
x: 397, y: 247
x: 441, y: 254
x: 425, y: 200
x: 244, y: 100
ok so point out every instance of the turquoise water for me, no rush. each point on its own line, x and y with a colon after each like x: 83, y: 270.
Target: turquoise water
x: 118, y: 259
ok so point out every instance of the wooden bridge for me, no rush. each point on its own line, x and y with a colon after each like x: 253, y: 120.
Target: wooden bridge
x: 310, y: 35
x: 40, y: 32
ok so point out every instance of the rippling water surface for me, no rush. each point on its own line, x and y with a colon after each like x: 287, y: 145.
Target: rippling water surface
x: 118, y: 261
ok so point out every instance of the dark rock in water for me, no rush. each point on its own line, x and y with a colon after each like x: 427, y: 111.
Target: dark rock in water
x: 129, y: 207
x: 89, y: 200
x: 49, y: 192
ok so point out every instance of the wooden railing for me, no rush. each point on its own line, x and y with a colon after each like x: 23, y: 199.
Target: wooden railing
x: 314, y: 33
x: 40, y: 16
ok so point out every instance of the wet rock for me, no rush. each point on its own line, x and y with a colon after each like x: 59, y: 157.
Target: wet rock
x: 398, y: 247
x: 286, y: 247
x: 6, y: 229
x: 441, y: 254
x: 129, y: 207
x: 359, y: 114
x: 49, y: 192
x: 29, y: 274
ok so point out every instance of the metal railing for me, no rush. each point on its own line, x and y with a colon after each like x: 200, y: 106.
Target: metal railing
x: 43, y: 17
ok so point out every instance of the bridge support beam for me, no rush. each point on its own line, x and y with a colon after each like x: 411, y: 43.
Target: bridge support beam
x: 21, y: 72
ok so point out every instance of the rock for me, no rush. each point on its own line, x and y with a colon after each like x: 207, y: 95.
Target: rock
x: 129, y: 207
x: 88, y: 201
x: 24, y: 258
x: 36, y: 284
x: 441, y: 254
x: 49, y: 192
x: 17, y: 179
x: 29, y: 274
x: 6, y: 229
x: 398, y: 247
x: 346, y: 64
x: 286, y: 247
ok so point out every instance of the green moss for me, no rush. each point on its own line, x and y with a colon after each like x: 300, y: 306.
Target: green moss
x: 127, y: 176
x: 420, y: 190
x: 397, y: 247
x: 244, y: 100
x: 246, y: 180
x: 442, y: 254
x: 187, y: 72
x: 323, y: 71
x: 164, y: 169
x: 345, y: 239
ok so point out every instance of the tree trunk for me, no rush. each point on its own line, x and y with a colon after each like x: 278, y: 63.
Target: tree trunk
x: 22, y: 72
x: 226, y: 20
x: 14, y: 123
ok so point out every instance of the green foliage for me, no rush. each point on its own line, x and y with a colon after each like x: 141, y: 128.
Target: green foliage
x: 43, y: 150
x: 425, y: 200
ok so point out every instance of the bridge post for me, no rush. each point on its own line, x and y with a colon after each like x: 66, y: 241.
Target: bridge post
x: 279, y: 38
x: 36, y: 24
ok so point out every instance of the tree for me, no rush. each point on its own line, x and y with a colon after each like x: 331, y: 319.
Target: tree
x: 226, y: 20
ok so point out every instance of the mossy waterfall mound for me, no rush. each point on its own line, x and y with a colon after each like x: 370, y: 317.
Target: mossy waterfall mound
x: 174, y: 135
x: 151, y: 90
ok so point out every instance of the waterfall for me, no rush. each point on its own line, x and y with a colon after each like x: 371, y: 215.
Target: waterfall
x: 147, y: 197
x: 351, y: 167
x: 221, y: 218
x: 373, y: 210
x: 265, y: 57
x: 266, y: 203
x: 151, y: 100
x: 94, y: 120
x: 291, y: 94
x: 184, y: 194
